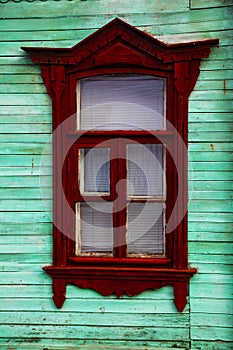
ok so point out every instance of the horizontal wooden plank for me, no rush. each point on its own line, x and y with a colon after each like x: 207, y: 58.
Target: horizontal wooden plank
x: 210, y: 166
x: 25, y: 181
x: 107, y: 305
x: 39, y: 291
x: 200, y: 258
x: 212, y: 176
x: 211, y: 217
x: 21, y: 205
x: 102, y: 319
x: 209, y: 117
x: 220, y: 95
x: 17, y: 170
x: 87, y: 20
x: 44, y: 258
x: 211, y: 333
x: 25, y: 217
x: 219, y: 291
x: 25, y: 193
x: 210, y: 185
x: 26, y: 128
x: 211, y: 345
x: 26, y: 248
x: 26, y: 160
x: 214, y: 126
x: 24, y: 99
x: 23, y: 88
x: 190, y: 30
x: 66, y: 344
x: 218, y: 136
x: 95, y: 332
x: 211, y: 106
x: 212, y: 278
x: 211, y: 247
x: 226, y: 269
x: 21, y: 148
x: 210, y: 306
x: 210, y: 321
x: 206, y: 205
x: 20, y: 78
x: 220, y: 74
x: 26, y: 119
x: 38, y: 277
x: 29, y: 69
x: 224, y: 195
x: 25, y: 110
x: 207, y: 64
x: 40, y: 238
x: 210, y: 156
x: 207, y: 147
x: 25, y: 229
x: 220, y: 85
x: 201, y: 4
x: 26, y: 138
x: 209, y: 226
x: 20, y: 267
x: 210, y: 237
x: 55, y: 9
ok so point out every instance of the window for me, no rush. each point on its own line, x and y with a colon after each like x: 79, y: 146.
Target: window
x: 120, y: 112
x: 121, y: 102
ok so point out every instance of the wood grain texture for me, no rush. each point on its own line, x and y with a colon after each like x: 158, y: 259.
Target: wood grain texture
x: 28, y: 317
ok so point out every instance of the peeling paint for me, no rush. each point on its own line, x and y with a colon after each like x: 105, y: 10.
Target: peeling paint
x: 32, y: 164
x: 224, y: 86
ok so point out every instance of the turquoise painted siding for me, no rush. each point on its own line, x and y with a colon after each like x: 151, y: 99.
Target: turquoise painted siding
x: 28, y: 317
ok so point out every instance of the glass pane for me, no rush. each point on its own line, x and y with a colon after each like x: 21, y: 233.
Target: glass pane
x: 126, y: 102
x: 145, y: 169
x: 95, y: 228
x: 95, y: 170
x: 145, y: 228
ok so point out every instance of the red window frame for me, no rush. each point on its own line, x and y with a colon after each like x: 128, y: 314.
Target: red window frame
x: 119, y: 48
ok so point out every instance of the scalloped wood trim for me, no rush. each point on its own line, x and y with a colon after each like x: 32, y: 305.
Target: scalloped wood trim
x: 129, y: 281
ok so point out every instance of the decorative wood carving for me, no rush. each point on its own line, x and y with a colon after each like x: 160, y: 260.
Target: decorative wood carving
x: 120, y: 48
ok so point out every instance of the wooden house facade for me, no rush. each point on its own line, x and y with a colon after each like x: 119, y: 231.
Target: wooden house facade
x: 29, y: 319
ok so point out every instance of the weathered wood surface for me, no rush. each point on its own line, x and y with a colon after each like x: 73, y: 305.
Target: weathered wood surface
x: 150, y: 319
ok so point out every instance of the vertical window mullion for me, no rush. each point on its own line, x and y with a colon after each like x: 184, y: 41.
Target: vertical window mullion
x: 119, y: 206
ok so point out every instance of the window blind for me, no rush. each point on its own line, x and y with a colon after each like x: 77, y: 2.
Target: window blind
x: 145, y: 228
x: 95, y: 231
x: 121, y: 102
x: 145, y: 169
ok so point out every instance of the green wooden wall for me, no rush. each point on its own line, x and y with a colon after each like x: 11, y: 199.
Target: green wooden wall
x: 28, y: 317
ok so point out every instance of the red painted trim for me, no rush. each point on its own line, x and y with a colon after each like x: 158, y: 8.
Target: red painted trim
x: 118, y: 48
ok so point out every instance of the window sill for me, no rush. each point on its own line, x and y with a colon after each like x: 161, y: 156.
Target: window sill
x: 108, y: 280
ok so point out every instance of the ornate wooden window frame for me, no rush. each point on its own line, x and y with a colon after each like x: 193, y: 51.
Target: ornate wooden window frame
x: 119, y: 48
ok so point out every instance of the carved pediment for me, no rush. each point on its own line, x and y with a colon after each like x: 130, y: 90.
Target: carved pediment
x: 120, y: 41
x: 119, y: 53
